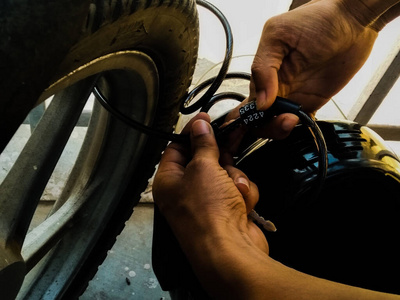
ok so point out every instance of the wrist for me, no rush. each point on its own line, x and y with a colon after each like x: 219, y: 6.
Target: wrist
x: 223, y: 263
x: 368, y: 12
x: 387, y: 17
x: 219, y: 252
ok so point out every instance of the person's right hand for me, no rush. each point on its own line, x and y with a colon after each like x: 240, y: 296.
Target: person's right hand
x: 309, y: 54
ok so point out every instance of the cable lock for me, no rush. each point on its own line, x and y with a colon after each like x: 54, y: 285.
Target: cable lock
x: 249, y: 115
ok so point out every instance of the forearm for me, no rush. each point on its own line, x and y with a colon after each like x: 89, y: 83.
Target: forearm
x: 230, y: 268
x: 378, y: 7
x: 373, y: 13
x: 387, y: 17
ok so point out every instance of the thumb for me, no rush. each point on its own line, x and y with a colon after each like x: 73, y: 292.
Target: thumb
x: 266, y: 65
x: 203, y: 140
x: 264, y: 82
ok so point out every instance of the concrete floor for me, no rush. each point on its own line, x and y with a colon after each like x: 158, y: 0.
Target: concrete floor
x: 127, y: 271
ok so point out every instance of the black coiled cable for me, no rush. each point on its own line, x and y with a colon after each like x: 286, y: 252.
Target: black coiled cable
x: 210, y: 98
x: 204, y: 103
x: 217, y: 81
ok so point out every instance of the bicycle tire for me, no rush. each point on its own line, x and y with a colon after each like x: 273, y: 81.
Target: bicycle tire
x: 166, y: 31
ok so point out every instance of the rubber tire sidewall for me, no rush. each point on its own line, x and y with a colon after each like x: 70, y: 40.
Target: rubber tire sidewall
x: 169, y: 35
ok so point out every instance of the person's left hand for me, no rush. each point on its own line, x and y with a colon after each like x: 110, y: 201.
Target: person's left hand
x: 198, y: 196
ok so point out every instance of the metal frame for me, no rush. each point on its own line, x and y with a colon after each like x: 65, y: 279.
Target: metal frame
x: 375, y: 93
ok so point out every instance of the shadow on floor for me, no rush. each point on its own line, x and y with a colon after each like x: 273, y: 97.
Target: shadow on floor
x: 127, y: 271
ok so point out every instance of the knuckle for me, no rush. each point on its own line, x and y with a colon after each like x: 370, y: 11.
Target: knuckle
x: 257, y: 66
x: 201, y: 163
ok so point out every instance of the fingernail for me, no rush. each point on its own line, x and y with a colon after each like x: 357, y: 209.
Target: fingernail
x: 200, y: 127
x: 289, y: 123
x: 261, y: 100
x: 244, y: 181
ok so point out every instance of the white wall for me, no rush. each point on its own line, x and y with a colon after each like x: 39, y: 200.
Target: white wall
x: 246, y: 17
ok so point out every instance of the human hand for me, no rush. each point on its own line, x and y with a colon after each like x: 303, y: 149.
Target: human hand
x: 309, y: 54
x: 206, y: 207
x: 198, y: 197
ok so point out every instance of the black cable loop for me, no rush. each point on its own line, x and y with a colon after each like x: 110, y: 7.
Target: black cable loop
x: 202, y: 86
x: 210, y: 98
x: 217, y: 81
x: 179, y: 138
x: 223, y: 96
x: 321, y: 148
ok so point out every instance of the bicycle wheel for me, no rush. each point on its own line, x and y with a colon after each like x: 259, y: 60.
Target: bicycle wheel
x: 141, y: 55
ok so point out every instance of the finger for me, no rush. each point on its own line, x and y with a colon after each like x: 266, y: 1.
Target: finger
x: 230, y: 145
x: 279, y: 127
x: 266, y: 84
x: 179, y: 153
x: 258, y: 237
x: 234, y: 113
x: 203, y: 140
x: 266, y: 65
x: 200, y: 116
x: 247, y: 188
x: 174, y: 156
x: 170, y: 172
